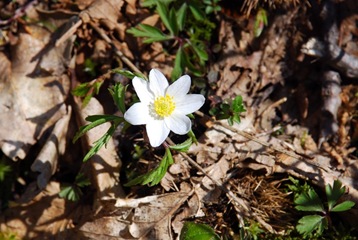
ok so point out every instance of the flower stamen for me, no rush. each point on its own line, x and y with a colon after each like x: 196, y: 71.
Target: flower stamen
x: 164, y: 105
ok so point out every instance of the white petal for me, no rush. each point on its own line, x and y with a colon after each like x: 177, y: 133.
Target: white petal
x: 141, y: 87
x: 138, y: 114
x: 180, y: 87
x: 189, y: 104
x: 157, y: 132
x: 157, y: 82
x: 179, y: 124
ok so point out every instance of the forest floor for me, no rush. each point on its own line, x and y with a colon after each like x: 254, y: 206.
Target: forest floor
x: 294, y: 64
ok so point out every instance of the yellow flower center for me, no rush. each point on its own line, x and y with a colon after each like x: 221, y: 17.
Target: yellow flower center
x: 164, y: 106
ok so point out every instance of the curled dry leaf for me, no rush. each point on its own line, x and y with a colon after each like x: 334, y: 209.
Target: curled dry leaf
x: 143, y: 218
x: 46, y: 161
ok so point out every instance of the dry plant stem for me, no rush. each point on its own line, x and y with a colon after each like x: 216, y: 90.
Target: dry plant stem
x: 117, y: 51
x: 69, y: 32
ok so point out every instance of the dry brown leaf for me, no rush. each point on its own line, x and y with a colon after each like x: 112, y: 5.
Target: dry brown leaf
x: 143, y: 218
x: 29, y: 102
x: 106, y: 163
x: 105, y: 11
x: 46, y: 161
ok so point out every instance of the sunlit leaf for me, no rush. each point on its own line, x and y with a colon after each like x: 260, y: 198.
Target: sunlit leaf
x: 344, y: 206
x: 152, y: 34
x: 181, y: 15
x: 155, y: 176
x: 118, y: 91
x: 308, y: 224
x: 182, y: 147
x: 164, y: 16
x: 196, y: 231
x: 309, y: 201
x: 178, y: 64
x: 95, y: 120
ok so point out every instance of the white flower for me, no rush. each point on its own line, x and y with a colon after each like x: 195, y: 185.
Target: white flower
x: 162, y: 107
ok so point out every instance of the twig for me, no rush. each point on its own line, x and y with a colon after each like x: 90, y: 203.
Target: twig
x: 116, y: 50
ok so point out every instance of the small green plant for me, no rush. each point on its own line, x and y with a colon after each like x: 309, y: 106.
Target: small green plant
x: 196, y: 231
x: 230, y: 111
x: 309, y: 201
x: 188, y: 28
x: 212, y: 6
x: 73, y: 192
x: 156, y: 109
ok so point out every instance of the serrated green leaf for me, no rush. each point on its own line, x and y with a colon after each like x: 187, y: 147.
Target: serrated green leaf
x: 155, y: 176
x: 309, y: 201
x: 100, y: 142
x: 201, y: 53
x: 165, y: 17
x: 71, y: 193
x: 178, y: 64
x: 182, y: 147
x: 173, y: 21
x: 307, y: 224
x: 196, y: 11
x: 237, y: 105
x: 181, y: 15
x: 118, y: 94
x: 152, y: 34
x: 81, y: 90
x: 191, y: 134
x: 344, y: 206
x: 333, y: 194
x: 95, y: 121
x: 196, y: 231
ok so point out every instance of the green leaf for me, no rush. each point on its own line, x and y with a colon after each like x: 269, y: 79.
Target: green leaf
x: 309, y: 201
x: 129, y: 74
x: 72, y: 193
x: 95, y: 121
x: 81, y: 180
x: 155, y: 176
x: 196, y: 231
x: 178, y: 64
x: 118, y: 91
x: 173, y: 21
x: 307, y: 224
x: 200, y: 52
x: 192, y: 136
x: 344, y: 206
x: 164, y: 15
x: 237, y: 105
x: 100, y: 142
x: 333, y: 194
x: 196, y: 11
x: 181, y: 15
x: 81, y: 90
x: 182, y: 147
x: 152, y: 34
